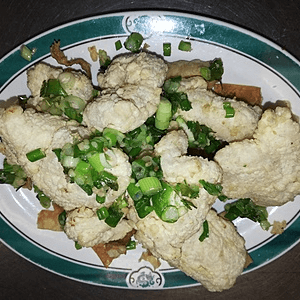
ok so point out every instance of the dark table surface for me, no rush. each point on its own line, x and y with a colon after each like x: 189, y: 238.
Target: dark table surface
x: 277, y: 20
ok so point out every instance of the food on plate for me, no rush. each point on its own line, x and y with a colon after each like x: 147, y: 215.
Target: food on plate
x: 131, y: 89
x: 264, y: 168
x: 83, y: 226
x: 109, y: 251
x: 249, y: 94
x: 62, y: 59
x: 116, y: 160
x: 217, y: 261
x: 208, y: 109
x: 48, y: 132
x: 48, y: 219
x: 278, y: 227
x: 58, y: 91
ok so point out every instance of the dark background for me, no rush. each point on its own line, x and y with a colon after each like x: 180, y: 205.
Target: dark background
x: 276, y: 20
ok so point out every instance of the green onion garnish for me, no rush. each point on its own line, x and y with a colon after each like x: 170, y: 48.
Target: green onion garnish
x: 35, y: 155
x: 134, y: 42
x: 102, y: 213
x: 51, y: 88
x: 167, y: 49
x: 26, y: 53
x: 118, y: 45
x: 185, y: 46
x: 150, y: 185
x: 212, y: 189
x: 230, y: 112
x: 205, y: 232
x: 100, y: 199
x: 214, y: 71
x: 62, y: 219
x: 95, y: 162
x: 172, y: 85
x: 245, y: 208
x: 131, y: 245
x: 45, y: 201
x: 104, y: 59
x: 163, y: 114
x: 77, y: 246
x: 12, y: 174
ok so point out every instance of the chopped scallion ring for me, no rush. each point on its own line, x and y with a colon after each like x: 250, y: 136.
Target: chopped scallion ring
x: 167, y: 49
x: 150, y: 185
x: 102, y: 213
x: 35, y: 155
x: 134, y: 42
x: 230, y: 112
x: 185, y: 46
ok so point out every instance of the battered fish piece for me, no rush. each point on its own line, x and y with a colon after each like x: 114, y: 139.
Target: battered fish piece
x: 80, y: 85
x: 265, y: 168
x: 219, y: 259
x: 207, y: 109
x: 157, y: 235
x: 51, y: 132
x: 131, y: 89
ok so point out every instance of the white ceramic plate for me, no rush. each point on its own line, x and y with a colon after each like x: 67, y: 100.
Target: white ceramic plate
x: 248, y: 59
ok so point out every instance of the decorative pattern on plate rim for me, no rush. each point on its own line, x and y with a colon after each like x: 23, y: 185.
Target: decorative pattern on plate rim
x: 145, y: 277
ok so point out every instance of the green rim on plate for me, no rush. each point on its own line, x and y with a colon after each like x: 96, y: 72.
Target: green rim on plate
x: 198, y: 28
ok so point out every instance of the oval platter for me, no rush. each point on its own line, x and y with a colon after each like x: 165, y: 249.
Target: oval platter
x: 248, y: 59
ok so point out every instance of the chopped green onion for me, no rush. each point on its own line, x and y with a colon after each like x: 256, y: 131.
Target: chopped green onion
x: 104, y: 59
x: 73, y: 102
x: 115, y: 212
x: 104, y: 161
x: 100, y: 199
x: 150, y: 185
x: 187, y: 190
x: 35, y: 155
x: 170, y: 214
x: 212, y: 189
x: 77, y: 246
x: 26, y: 53
x: 214, y: 71
x: 134, y: 42
x: 172, y: 84
x: 51, y: 88
x: 205, y: 232
x: 205, y: 73
x: 113, y: 136
x: 131, y: 245
x: 67, y: 80
x: 163, y: 114
x: 118, y: 45
x: 185, y: 46
x: 108, y: 179
x: 163, y: 206
x: 102, y: 213
x: 143, y: 207
x: 230, y: 111
x: 134, y: 191
x: 12, y: 174
x: 45, y: 201
x: 167, y: 49
x: 95, y: 162
x: 62, y: 217
x: 245, y: 208
x: 57, y: 152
